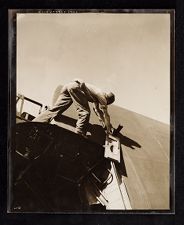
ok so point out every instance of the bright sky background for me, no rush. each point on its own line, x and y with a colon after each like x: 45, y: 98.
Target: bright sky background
x: 128, y: 53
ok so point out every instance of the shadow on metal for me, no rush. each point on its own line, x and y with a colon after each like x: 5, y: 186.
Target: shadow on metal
x: 97, y: 132
x: 98, y: 135
x: 51, y: 167
x: 128, y: 142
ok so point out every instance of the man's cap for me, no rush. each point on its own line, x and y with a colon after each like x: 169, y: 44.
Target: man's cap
x: 110, y: 97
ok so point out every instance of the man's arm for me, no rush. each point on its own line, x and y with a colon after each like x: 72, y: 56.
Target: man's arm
x: 103, y: 116
x: 99, y: 113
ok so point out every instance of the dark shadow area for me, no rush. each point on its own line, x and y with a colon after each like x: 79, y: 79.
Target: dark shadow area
x: 49, y: 166
x: 128, y: 142
x: 65, y: 119
x: 98, y: 135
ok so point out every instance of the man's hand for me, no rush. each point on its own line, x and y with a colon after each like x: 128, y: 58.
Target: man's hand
x: 110, y: 129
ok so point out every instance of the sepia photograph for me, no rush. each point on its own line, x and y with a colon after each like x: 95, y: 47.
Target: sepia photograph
x: 92, y: 121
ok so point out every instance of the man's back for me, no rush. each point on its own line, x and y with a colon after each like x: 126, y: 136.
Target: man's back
x: 94, y: 94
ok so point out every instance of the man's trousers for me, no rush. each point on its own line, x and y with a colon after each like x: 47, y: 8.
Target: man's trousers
x: 70, y: 93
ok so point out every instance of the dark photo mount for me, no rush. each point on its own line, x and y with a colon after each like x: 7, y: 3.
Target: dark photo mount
x: 112, y: 218
x: 34, y: 188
